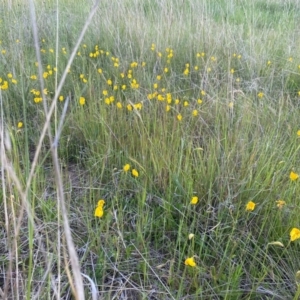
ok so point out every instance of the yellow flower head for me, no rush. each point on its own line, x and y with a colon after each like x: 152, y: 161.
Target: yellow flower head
x: 135, y: 173
x: 195, y: 113
x: 294, y: 234
x: 250, y: 206
x: 294, y: 176
x: 194, y: 200
x: 81, y: 100
x: 179, y: 117
x: 260, y: 94
x: 20, y: 124
x: 190, y: 261
x: 280, y: 204
x: 126, y: 168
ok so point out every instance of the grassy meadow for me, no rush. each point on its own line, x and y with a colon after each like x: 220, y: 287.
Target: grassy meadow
x: 182, y: 117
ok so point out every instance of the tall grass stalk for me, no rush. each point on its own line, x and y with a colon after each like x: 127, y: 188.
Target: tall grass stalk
x: 155, y: 156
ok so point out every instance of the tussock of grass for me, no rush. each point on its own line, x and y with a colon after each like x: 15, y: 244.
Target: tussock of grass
x: 221, y: 124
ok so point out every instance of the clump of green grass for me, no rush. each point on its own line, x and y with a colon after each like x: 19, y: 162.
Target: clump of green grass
x: 178, y: 152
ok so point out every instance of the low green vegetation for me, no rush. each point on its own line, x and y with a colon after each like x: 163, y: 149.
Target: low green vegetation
x: 178, y: 154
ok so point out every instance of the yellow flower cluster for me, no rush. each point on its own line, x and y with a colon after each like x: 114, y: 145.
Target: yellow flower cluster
x: 134, y: 172
x: 99, y: 209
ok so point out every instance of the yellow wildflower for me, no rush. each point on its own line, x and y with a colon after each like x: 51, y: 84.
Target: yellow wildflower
x: 126, y: 168
x: 20, y: 124
x: 81, y: 100
x: 135, y: 173
x: 194, y: 200
x: 134, y: 84
x: 260, y: 94
x: 99, y: 209
x: 294, y: 234
x: 280, y: 204
x: 195, y: 113
x: 294, y: 176
x: 186, y: 72
x: 4, y: 86
x: 138, y: 106
x: 250, y: 206
x: 190, y: 261
x: 37, y: 99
